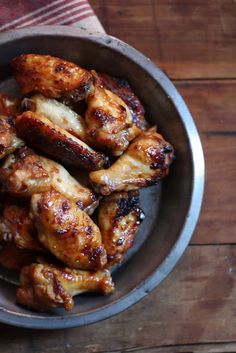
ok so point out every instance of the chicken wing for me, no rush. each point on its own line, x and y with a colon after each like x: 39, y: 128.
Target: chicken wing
x: 17, y: 227
x: 146, y: 161
x: 58, y: 143
x: 58, y: 113
x: 119, y: 218
x: 9, y: 141
x: 14, y: 258
x: 44, y: 287
x: 109, y: 120
x: 26, y: 173
x: 68, y: 232
x: 51, y: 76
x: 122, y: 89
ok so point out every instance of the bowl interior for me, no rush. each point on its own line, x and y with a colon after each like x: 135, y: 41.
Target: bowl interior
x: 166, y: 205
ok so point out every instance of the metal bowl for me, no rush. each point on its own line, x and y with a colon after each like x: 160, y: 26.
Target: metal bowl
x: 172, y: 208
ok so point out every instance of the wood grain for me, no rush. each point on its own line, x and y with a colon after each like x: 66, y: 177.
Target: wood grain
x: 213, y: 107
x: 187, y: 39
x: 196, y: 304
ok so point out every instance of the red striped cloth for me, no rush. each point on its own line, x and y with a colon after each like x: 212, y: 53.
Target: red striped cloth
x: 23, y: 13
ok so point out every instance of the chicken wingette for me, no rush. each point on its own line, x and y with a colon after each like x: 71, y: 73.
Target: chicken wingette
x: 51, y: 76
x: 109, y: 120
x: 44, y: 286
x: 9, y: 141
x: 25, y: 173
x: 119, y: 218
x: 67, y: 231
x: 144, y: 163
x: 56, y: 142
x: 58, y: 113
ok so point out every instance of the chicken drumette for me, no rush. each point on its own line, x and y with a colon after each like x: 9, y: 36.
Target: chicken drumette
x: 146, y: 161
x: 67, y: 231
x: 51, y: 76
x: 109, y: 120
x: 119, y: 218
x: 44, y: 287
x: 25, y: 173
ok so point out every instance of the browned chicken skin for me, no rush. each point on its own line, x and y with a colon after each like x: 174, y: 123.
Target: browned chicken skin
x: 109, y: 120
x: 146, y: 161
x: 51, y: 76
x: 67, y: 232
x: 119, y: 218
x: 16, y: 226
x: 14, y: 258
x: 26, y: 173
x: 122, y: 89
x: 49, y: 138
x: 44, y: 287
x: 9, y: 141
x: 58, y: 113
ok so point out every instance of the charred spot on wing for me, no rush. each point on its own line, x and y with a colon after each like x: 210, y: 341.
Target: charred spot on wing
x: 128, y: 204
x: 65, y: 206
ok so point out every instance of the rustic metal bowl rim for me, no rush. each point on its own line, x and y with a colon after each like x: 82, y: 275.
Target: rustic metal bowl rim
x: 34, y: 321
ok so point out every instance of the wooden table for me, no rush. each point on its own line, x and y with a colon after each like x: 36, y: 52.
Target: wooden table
x: 194, y: 310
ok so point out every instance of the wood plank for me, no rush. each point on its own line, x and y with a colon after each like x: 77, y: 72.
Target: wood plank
x: 187, y: 39
x: 213, y: 107
x: 195, y: 304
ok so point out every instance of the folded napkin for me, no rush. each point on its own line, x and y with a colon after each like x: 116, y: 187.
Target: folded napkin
x: 24, y: 13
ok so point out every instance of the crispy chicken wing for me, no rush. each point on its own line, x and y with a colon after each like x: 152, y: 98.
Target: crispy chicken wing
x: 146, y: 161
x: 109, y: 120
x: 9, y: 141
x: 17, y: 227
x: 14, y: 258
x: 44, y: 287
x: 58, y: 113
x: 51, y: 76
x: 68, y: 232
x: 119, y: 218
x: 122, y: 88
x: 49, y: 138
x: 26, y: 173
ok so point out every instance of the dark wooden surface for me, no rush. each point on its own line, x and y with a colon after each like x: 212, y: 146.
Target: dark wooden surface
x: 194, y: 310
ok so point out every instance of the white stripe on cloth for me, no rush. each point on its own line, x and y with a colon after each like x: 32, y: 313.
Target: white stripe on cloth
x: 72, y: 12
x: 56, y: 13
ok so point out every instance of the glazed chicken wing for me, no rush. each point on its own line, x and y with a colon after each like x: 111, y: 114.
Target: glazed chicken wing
x: 44, y: 287
x: 122, y: 89
x: 68, y: 232
x: 14, y: 258
x: 49, y: 138
x: 109, y: 120
x: 119, y: 218
x: 17, y: 227
x: 58, y: 113
x: 146, y: 161
x: 26, y: 173
x: 9, y: 141
x: 51, y: 76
